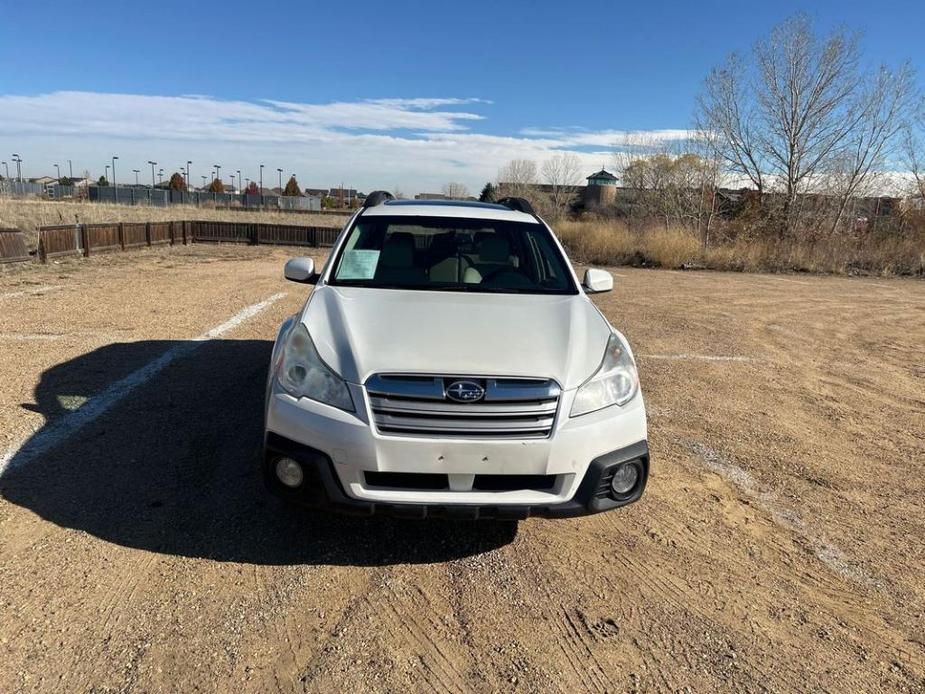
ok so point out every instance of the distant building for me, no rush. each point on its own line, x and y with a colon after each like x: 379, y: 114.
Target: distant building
x: 76, y: 182
x: 912, y: 202
x: 601, y: 189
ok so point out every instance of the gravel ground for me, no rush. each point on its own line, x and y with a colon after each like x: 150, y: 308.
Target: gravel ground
x: 779, y: 546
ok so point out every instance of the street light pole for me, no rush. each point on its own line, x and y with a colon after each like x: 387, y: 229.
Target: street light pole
x: 114, y: 184
x: 261, y: 185
x: 160, y: 177
x: 239, y: 180
x: 153, y: 164
x: 58, y: 171
x: 136, y: 172
x: 70, y: 170
x: 218, y: 171
x: 18, y: 160
x: 280, y: 182
x: 188, y: 183
x: 106, y: 174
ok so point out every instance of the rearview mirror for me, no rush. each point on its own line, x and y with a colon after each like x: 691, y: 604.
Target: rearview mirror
x: 597, y: 281
x: 301, y: 270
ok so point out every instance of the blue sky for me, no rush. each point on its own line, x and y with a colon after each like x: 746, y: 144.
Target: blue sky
x: 376, y: 94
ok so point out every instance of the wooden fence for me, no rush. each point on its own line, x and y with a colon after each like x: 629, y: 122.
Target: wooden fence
x: 87, y: 239
x: 13, y: 246
x: 263, y: 234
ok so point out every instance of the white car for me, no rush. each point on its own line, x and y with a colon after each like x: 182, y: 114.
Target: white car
x: 449, y: 363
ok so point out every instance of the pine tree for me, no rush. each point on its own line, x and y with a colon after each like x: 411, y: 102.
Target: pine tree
x: 488, y: 193
x: 292, y: 188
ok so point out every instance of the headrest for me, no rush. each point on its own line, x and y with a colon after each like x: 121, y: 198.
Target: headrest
x: 480, y: 236
x: 398, y: 250
x: 495, y: 249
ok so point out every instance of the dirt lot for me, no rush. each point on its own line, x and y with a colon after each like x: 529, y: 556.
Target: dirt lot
x: 779, y: 547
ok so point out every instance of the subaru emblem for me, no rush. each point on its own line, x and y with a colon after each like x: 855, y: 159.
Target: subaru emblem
x: 465, y: 391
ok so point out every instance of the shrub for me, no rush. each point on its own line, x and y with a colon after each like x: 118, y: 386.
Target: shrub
x: 613, y: 243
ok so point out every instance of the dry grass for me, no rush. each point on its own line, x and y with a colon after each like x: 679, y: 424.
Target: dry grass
x: 29, y: 215
x: 593, y: 242
x: 612, y: 243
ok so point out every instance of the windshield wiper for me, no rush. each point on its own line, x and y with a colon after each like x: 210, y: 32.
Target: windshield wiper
x: 507, y: 290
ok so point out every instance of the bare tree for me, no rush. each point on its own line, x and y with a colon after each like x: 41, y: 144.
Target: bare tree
x: 456, y: 191
x: 784, y: 112
x: 704, y: 145
x: 913, y: 146
x: 882, y: 106
x: 727, y: 109
x: 640, y: 164
x: 806, y: 97
x: 516, y: 177
x: 563, y: 173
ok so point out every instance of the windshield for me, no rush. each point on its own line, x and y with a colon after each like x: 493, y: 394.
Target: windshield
x: 452, y: 254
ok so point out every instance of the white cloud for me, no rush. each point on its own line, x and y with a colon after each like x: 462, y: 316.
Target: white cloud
x: 613, y: 139
x: 415, y: 143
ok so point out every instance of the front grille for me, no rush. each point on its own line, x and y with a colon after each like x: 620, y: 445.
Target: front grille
x: 419, y: 405
x: 440, y: 482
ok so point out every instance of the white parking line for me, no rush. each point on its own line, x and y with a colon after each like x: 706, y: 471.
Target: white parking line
x: 826, y: 552
x: 30, y: 292
x: 58, y: 430
x: 696, y: 357
x: 29, y: 337
x: 784, y: 279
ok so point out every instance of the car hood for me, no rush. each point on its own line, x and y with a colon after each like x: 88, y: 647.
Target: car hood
x: 361, y: 331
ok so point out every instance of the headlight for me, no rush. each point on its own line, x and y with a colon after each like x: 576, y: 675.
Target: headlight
x: 614, y: 383
x: 302, y: 374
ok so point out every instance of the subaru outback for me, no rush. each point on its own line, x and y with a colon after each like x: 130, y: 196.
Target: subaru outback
x: 450, y: 363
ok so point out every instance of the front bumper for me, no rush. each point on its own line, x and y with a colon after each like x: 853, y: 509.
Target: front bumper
x: 322, y: 488
x: 345, y: 447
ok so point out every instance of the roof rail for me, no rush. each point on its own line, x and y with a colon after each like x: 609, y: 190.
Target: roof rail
x: 517, y: 204
x: 377, y: 197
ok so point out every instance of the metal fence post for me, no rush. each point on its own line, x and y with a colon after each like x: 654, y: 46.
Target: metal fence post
x: 78, y: 238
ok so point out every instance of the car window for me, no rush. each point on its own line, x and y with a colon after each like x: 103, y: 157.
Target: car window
x: 454, y: 254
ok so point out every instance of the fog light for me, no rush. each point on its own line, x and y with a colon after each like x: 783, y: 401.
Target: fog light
x: 624, y: 479
x: 289, y: 472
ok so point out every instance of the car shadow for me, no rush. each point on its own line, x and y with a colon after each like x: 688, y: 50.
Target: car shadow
x: 173, y: 466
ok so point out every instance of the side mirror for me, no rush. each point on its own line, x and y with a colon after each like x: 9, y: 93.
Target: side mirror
x: 301, y: 270
x: 597, y: 281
